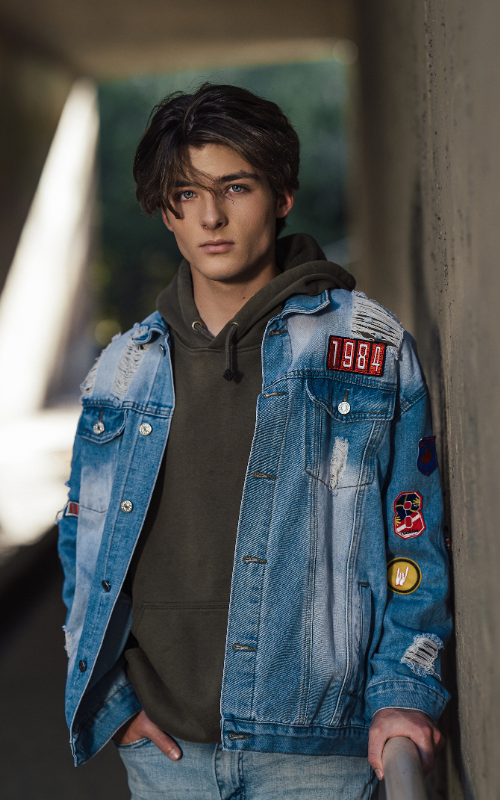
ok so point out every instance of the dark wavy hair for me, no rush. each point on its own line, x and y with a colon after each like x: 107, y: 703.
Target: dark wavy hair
x: 255, y: 128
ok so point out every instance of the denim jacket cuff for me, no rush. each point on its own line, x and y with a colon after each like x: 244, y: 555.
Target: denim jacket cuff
x: 409, y: 694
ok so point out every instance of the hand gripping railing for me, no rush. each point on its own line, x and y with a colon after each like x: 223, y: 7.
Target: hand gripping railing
x: 403, y: 776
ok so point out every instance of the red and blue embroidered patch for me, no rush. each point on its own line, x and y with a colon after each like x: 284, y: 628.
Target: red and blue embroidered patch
x: 408, y: 518
x: 71, y: 509
x: 356, y: 355
x: 427, y: 456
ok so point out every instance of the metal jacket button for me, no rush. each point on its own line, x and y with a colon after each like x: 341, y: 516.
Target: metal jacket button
x: 344, y: 407
x: 99, y: 427
x: 82, y: 665
x: 162, y: 349
x: 127, y: 506
x: 145, y: 429
x: 106, y: 586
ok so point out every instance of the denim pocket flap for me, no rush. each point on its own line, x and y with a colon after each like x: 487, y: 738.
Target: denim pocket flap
x: 101, y: 424
x: 348, y: 401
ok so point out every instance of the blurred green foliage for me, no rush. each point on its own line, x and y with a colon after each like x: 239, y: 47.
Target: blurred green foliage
x: 138, y: 255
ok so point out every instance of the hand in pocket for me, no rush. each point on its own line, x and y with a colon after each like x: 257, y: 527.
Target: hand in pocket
x: 141, y: 727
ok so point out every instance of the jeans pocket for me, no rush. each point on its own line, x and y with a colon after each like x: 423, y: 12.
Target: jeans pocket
x: 134, y: 745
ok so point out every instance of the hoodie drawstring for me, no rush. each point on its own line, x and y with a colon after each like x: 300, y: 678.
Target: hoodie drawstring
x: 228, y: 352
x: 228, y: 375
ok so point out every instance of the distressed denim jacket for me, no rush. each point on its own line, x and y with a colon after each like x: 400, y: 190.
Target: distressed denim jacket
x: 340, y: 577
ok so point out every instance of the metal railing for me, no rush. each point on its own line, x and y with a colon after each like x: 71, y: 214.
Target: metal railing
x: 403, y: 776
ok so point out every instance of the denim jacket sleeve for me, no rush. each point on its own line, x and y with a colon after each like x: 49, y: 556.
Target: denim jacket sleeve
x: 68, y: 523
x: 405, y: 669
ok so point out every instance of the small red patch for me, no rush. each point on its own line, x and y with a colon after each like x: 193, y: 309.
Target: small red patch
x: 356, y: 355
x: 71, y: 510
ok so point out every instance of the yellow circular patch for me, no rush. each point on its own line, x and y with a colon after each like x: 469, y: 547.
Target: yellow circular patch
x: 403, y: 575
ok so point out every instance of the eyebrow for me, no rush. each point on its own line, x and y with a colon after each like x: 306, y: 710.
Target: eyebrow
x: 235, y: 176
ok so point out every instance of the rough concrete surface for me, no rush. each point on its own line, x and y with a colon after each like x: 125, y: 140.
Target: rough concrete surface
x: 129, y: 37
x: 428, y: 216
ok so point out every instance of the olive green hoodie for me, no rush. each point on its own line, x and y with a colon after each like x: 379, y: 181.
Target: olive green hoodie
x: 181, y: 571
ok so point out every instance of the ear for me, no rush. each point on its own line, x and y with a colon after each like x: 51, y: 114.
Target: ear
x: 284, y: 203
x: 164, y: 215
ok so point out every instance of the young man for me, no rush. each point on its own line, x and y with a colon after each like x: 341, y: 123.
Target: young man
x: 255, y: 566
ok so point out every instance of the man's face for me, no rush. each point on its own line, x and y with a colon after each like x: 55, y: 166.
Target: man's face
x: 229, y: 234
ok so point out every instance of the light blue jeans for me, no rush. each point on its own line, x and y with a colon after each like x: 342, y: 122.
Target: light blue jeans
x: 206, y: 772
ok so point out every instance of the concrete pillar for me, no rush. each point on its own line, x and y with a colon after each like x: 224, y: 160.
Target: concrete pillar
x: 427, y: 209
x: 33, y: 90
x: 41, y: 294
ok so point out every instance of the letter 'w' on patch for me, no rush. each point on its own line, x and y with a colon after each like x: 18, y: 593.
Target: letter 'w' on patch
x: 427, y: 456
x: 356, y: 355
x: 408, y: 519
x: 403, y: 575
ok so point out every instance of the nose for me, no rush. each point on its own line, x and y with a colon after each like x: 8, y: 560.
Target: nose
x: 212, y: 213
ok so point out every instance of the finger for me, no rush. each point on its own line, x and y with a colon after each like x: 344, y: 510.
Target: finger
x: 162, y: 741
x: 167, y: 746
x: 439, y: 740
x: 425, y: 746
x: 375, y: 747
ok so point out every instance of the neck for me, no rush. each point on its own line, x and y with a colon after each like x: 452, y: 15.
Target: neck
x: 219, y: 301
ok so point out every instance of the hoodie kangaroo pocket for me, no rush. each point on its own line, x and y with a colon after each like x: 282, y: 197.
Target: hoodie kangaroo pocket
x: 177, y: 668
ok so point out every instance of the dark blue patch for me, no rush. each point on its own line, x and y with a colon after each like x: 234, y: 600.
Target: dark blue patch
x: 427, y: 455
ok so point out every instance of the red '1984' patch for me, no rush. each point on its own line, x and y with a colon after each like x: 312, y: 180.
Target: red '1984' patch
x: 356, y: 355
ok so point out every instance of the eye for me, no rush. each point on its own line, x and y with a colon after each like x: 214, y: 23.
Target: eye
x: 187, y: 195
x: 236, y: 187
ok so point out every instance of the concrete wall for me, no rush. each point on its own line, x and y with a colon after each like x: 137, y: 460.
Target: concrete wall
x: 427, y: 210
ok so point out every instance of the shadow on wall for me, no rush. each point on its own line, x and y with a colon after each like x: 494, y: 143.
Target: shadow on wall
x: 428, y: 335
x: 36, y: 759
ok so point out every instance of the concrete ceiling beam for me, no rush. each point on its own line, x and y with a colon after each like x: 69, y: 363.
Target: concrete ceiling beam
x: 116, y: 39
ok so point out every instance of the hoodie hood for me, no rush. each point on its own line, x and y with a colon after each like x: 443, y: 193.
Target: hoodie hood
x: 304, y: 269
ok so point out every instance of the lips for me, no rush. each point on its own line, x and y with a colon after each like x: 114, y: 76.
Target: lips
x: 217, y: 246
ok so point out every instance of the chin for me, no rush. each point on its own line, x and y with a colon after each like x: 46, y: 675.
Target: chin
x: 220, y: 270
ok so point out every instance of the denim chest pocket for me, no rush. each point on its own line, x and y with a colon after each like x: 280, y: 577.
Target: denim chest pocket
x: 100, y: 424
x: 345, y: 423
x: 100, y: 428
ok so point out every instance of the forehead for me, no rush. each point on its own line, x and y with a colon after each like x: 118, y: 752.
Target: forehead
x: 216, y: 160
